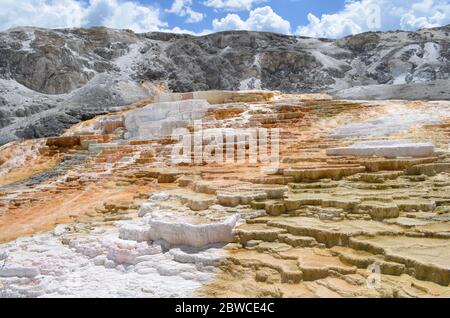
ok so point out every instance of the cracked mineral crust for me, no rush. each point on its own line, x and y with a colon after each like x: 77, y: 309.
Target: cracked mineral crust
x: 103, y: 210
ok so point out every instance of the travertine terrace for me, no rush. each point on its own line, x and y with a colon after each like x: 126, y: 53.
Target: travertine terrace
x: 362, y: 188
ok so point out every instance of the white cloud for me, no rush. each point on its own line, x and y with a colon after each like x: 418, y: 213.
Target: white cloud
x: 122, y: 15
x: 232, y: 5
x: 374, y: 15
x: 64, y: 13
x: 72, y: 13
x: 230, y: 22
x: 426, y: 14
x: 183, y: 8
x: 357, y: 16
x: 184, y: 31
x: 260, y: 19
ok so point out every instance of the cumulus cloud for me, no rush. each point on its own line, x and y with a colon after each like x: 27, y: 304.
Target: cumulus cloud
x: 426, y: 14
x: 356, y: 16
x: 375, y: 15
x: 72, y: 13
x: 260, y: 19
x: 64, y: 13
x: 183, y: 8
x: 232, y: 5
x: 122, y: 15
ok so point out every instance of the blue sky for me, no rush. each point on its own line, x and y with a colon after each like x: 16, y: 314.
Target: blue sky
x: 295, y: 11
x: 316, y: 18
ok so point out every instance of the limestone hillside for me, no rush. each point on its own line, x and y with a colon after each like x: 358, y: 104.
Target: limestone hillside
x: 358, y: 204
x: 52, y: 79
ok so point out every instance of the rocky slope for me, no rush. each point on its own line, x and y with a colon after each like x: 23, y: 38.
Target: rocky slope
x: 50, y: 79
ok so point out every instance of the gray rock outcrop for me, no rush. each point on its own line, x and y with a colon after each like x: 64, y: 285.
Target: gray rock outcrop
x: 50, y: 79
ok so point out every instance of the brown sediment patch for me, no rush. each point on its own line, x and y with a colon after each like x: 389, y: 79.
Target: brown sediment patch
x: 20, y: 161
x: 225, y: 113
x: 29, y: 171
x: 43, y: 211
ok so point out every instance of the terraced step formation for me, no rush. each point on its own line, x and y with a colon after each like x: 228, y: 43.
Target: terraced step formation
x: 356, y: 205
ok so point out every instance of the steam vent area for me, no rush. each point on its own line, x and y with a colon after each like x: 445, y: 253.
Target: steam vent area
x: 232, y: 194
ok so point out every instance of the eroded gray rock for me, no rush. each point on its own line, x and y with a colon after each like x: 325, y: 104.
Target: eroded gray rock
x: 68, y: 75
